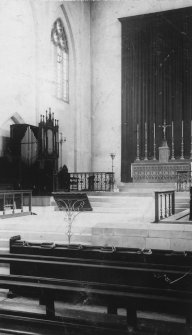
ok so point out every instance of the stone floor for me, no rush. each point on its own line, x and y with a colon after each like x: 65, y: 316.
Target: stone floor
x: 108, y: 224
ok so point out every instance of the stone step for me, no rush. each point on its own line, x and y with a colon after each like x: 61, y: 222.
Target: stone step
x: 185, y: 194
x: 132, y: 190
x: 4, y: 243
x: 114, y: 194
x: 182, y: 200
x: 137, y: 212
x: 128, y: 199
x: 108, y: 209
x: 128, y: 205
x: 3, y: 250
x: 145, y: 187
x: 157, y: 236
x: 35, y: 235
x: 178, y: 210
x: 39, y: 201
x: 182, y: 205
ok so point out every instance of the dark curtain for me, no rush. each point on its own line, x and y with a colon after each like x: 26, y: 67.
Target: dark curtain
x: 156, y: 81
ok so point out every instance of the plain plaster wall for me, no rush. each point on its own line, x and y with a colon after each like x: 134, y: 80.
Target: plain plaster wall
x: 74, y: 116
x: 106, y: 74
x: 17, y: 64
x: 28, y: 71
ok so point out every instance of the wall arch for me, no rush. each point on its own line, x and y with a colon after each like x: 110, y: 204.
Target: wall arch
x: 72, y: 93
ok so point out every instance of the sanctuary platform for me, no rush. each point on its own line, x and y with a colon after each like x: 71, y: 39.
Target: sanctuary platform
x: 118, y: 219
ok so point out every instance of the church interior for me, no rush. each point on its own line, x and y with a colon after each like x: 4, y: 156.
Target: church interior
x: 95, y: 167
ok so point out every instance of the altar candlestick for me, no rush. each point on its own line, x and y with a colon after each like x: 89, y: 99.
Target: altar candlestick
x: 154, y: 144
x: 191, y: 127
x: 182, y: 143
x: 137, y: 131
x: 182, y: 129
x: 191, y: 141
x: 172, y: 142
x: 146, y: 142
x: 137, y: 159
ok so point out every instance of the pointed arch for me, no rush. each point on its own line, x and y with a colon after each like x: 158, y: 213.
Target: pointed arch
x: 73, y: 61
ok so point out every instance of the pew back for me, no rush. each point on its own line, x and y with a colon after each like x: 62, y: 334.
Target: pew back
x: 122, y: 266
x: 134, y: 279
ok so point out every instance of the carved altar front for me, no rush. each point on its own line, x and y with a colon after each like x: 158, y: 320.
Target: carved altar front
x: 156, y: 172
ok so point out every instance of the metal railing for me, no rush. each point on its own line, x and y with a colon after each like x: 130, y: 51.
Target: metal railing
x: 164, y: 205
x: 184, y: 179
x: 92, y: 181
x: 12, y: 202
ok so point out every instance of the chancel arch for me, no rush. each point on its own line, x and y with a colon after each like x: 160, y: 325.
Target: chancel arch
x: 156, y: 84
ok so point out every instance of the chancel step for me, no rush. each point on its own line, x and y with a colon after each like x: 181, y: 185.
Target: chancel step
x: 122, y: 203
x: 117, y: 218
x: 181, y: 201
x: 145, y: 188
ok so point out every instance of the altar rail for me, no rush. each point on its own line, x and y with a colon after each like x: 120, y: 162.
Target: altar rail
x: 12, y: 202
x: 92, y: 181
x: 164, y: 205
x: 184, y: 179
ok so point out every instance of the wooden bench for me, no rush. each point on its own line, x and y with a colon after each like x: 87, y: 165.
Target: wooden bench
x: 154, y: 256
x: 122, y: 278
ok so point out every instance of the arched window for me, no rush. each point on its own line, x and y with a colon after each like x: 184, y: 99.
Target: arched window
x: 59, y: 39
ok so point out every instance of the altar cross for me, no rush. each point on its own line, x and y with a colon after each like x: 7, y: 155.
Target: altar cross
x: 164, y: 126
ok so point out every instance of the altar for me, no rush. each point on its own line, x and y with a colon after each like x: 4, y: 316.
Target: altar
x: 163, y: 169
x: 155, y: 172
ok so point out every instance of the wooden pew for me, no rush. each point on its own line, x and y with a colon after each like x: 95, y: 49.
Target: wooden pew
x: 49, y: 290
x: 154, y: 256
x: 148, y: 280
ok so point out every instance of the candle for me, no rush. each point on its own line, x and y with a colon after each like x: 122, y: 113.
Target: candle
x: 182, y: 129
x: 172, y: 128
x: 137, y: 132
x: 191, y: 128
x: 154, y: 130
x: 146, y: 141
